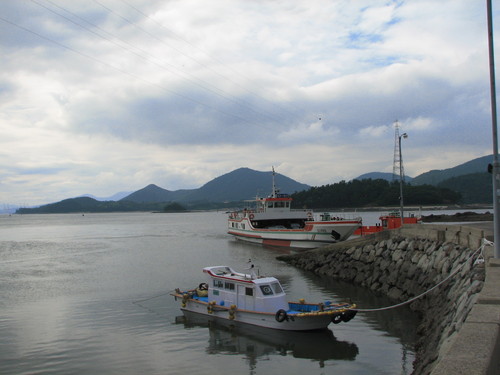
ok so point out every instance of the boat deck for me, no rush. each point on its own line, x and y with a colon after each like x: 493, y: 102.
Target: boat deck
x: 295, y: 307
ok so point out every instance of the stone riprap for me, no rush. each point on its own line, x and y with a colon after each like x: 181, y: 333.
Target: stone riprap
x: 403, y: 267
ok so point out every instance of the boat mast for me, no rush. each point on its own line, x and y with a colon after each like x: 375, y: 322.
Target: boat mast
x: 273, y: 194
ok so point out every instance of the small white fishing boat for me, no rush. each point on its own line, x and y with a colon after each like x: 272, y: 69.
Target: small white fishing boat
x: 273, y: 222
x: 256, y: 300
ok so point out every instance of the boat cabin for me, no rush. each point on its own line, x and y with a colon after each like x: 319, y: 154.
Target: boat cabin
x: 247, y: 291
x: 275, y: 203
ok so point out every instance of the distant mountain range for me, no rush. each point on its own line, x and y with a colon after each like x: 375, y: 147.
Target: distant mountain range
x: 240, y: 184
x: 470, y: 179
x: 114, y: 197
x: 436, y: 176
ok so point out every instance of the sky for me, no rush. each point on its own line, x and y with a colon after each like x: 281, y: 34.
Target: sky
x: 103, y: 96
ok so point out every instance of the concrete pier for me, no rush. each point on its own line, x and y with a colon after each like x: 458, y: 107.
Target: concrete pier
x: 460, y: 328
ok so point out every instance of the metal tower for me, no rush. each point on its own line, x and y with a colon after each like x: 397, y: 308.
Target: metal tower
x: 397, y: 168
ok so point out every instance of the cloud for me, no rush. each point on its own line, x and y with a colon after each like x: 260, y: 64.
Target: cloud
x: 99, y: 97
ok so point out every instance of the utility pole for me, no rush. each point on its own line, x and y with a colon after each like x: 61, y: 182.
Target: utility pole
x: 496, y: 166
x: 397, y: 166
x: 401, y: 177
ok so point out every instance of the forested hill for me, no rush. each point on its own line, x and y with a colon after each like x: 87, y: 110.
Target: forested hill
x: 370, y: 193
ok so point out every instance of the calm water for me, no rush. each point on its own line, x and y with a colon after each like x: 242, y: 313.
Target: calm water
x: 77, y: 298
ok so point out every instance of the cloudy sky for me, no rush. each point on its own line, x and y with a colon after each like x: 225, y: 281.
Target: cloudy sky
x: 102, y: 96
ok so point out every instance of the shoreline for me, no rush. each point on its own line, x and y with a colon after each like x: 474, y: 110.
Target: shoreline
x: 467, y: 216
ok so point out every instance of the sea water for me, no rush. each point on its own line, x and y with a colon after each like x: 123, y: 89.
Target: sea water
x: 88, y: 294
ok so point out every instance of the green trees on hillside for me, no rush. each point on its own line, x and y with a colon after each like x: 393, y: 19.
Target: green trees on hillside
x: 174, y: 207
x: 474, y: 187
x: 365, y: 193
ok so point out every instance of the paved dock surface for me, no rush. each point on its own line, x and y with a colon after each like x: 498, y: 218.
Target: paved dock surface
x: 476, y: 347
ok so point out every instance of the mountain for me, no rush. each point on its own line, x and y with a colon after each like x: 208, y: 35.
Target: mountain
x: 382, y: 176
x: 114, y: 197
x: 436, y: 176
x: 246, y: 183
x: 87, y: 204
x: 474, y: 187
x: 240, y: 184
x: 153, y: 193
x: 469, y: 179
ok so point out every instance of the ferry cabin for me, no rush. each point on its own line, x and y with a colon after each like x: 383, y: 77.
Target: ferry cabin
x: 246, y: 291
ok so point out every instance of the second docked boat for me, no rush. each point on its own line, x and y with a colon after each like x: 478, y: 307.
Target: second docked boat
x: 273, y: 222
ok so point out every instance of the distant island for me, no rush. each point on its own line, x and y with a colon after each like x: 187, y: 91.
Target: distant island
x: 466, y: 216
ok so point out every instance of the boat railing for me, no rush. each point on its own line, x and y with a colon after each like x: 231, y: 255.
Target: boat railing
x: 325, y: 216
x: 330, y: 216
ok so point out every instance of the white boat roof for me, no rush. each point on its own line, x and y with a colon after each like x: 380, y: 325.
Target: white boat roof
x: 227, y: 272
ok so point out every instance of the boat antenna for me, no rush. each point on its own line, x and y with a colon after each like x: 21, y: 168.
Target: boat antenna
x: 273, y: 194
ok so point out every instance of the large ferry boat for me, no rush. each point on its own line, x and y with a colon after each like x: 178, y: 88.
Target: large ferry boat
x: 273, y: 222
x: 256, y: 300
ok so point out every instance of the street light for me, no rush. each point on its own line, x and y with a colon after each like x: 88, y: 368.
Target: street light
x: 404, y: 135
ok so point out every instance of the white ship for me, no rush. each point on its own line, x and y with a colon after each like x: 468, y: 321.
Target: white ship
x: 273, y: 222
x: 260, y: 301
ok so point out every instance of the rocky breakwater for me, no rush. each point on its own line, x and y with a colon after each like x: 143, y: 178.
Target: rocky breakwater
x: 404, y: 268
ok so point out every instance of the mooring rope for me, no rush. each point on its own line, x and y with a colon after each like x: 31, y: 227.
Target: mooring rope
x: 480, y: 259
x: 150, y: 298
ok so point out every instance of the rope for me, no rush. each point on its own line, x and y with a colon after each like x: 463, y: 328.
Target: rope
x: 480, y: 259
x: 150, y: 298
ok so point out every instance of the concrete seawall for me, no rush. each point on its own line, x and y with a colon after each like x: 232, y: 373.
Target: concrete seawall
x: 459, y: 329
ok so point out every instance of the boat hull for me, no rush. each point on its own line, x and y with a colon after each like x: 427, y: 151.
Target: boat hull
x: 288, y: 322
x: 314, y: 234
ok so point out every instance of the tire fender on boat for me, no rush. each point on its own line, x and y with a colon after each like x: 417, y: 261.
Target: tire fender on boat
x: 281, y: 316
x: 210, y: 308
x: 232, y: 311
x: 336, y: 235
x: 336, y: 319
x: 251, y: 216
x: 348, y: 315
x: 185, y: 297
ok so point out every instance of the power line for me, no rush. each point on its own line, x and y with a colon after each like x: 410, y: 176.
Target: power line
x: 153, y: 36
x: 135, y: 76
x: 148, y: 57
x: 204, y: 52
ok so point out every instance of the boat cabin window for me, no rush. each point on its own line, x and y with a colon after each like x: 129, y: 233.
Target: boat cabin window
x: 277, y: 288
x: 222, y: 271
x: 269, y: 290
x: 266, y: 290
x: 218, y: 284
x: 229, y: 286
x: 249, y: 291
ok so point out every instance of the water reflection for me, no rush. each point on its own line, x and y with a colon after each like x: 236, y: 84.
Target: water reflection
x: 256, y: 342
x: 400, y: 323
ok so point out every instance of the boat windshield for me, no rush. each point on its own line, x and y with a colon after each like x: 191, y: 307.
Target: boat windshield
x: 277, y: 288
x: 269, y: 290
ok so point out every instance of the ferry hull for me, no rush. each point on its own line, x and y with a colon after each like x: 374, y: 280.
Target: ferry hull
x: 312, y: 236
